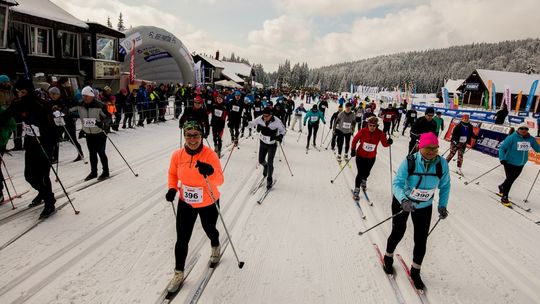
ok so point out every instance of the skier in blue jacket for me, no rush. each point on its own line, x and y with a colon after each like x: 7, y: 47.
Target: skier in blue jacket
x: 413, y: 188
x: 313, y: 116
x: 514, y: 154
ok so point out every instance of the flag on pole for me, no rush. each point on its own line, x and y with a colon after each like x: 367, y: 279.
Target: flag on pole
x: 490, y: 94
x: 530, y: 98
x: 518, y: 103
x: 493, y: 96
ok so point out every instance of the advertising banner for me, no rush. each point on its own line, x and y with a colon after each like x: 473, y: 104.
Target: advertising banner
x: 490, y: 138
x: 533, y: 156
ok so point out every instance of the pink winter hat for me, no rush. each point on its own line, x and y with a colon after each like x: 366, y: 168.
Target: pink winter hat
x: 427, y: 139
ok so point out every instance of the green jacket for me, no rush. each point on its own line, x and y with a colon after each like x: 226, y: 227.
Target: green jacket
x: 7, y: 126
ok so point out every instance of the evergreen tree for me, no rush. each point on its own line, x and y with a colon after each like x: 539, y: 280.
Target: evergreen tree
x: 121, y: 26
x: 109, y: 24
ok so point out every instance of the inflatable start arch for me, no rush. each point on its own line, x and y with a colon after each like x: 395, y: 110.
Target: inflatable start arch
x: 159, y: 56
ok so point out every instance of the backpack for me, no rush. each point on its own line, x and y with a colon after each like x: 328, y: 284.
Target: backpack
x: 411, y: 165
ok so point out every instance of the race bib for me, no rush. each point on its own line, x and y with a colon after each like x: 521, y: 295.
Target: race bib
x: 265, y: 139
x: 413, y: 115
x: 314, y: 118
x: 368, y: 147
x: 388, y: 116
x: 422, y: 195
x: 523, y: 146
x: 89, y: 122
x: 463, y: 139
x: 192, y: 195
x: 236, y: 108
x: 346, y: 125
x: 257, y: 109
x: 323, y: 107
x: 218, y: 113
x: 209, y: 101
x: 400, y: 111
x: 30, y: 130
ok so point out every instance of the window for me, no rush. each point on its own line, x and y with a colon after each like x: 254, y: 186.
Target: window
x: 3, y: 25
x: 106, y: 47
x: 41, y: 41
x: 86, y: 45
x: 70, y: 46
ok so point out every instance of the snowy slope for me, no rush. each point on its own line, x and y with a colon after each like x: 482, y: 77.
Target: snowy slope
x: 300, y: 246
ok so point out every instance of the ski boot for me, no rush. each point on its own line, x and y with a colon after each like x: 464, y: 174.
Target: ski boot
x: 346, y: 157
x: 176, y: 281
x: 339, y: 157
x: 47, y: 212
x: 36, y: 201
x: 417, y: 280
x: 363, y: 185
x: 506, y: 202
x: 388, y: 264
x: 90, y: 176
x: 77, y: 159
x: 356, y: 194
x: 269, y: 183
x: 215, y: 256
x: 501, y: 191
x: 104, y: 175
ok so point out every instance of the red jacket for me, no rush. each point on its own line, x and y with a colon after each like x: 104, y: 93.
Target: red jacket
x: 388, y: 115
x: 368, y: 142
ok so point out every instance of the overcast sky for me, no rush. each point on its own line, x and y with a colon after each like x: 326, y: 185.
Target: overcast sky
x: 320, y: 32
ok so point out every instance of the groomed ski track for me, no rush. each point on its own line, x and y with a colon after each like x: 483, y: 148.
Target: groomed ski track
x: 300, y: 246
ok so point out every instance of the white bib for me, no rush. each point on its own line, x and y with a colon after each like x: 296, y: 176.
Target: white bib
x: 323, y: 107
x: 236, y: 108
x: 368, y: 147
x: 218, y: 113
x: 265, y: 139
x: 463, y: 139
x: 209, y: 101
x: 413, y: 114
x: 346, y: 125
x: 422, y: 195
x: 59, y: 121
x: 192, y: 195
x: 388, y: 115
x: 89, y: 122
x: 257, y: 109
x: 314, y: 118
x: 30, y: 130
x: 523, y: 146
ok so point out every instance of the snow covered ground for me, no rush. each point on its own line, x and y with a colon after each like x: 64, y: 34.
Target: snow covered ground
x: 300, y: 246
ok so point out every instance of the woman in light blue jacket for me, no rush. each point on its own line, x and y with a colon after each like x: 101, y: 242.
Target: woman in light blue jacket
x: 313, y: 116
x: 414, y: 186
x: 514, y: 154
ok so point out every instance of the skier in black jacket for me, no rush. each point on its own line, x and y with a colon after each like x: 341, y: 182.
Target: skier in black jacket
x: 410, y: 119
x: 198, y: 114
x: 423, y: 125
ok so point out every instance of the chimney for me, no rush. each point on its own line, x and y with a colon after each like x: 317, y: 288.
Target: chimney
x: 217, y: 55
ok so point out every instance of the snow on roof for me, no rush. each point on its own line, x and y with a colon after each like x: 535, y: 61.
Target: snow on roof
x: 9, y: 2
x: 452, y: 85
x: 47, y: 10
x: 213, y: 62
x: 238, y: 68
x: 232, y: 76
x: 516, y: 81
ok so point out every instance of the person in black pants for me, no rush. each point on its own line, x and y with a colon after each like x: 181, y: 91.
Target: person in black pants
x: 422, y: 125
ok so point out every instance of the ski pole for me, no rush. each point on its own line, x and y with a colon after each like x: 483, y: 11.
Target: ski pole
x: 433, y: 228
x: 7, y: 173
x: 497, y: 166
x: 322, y: 136
x: 58, y: 158
x: 300, y: 134
x: 279, y: 155
x: 54, y: 171
x: 73, y: 142
x: 442, y: 155
x: 391, y: 170
x: 526, y: 200
x: 380, y: 223
x: 173, y: 209
x: 207, y: 142
x: 228, y: 158
x: 240, y: 264
x: 324, y: 140
x: 136, y: 174
x: 329, y: 141
x: 9, y: 194
x: 285, y: 156
x: 332, y: 180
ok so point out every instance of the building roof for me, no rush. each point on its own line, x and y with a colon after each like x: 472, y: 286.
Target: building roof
x: 215, y: 63
x: 516, y: 81
x: 9, y: 2
x: 237, y: 68
x: 452, y: 85
x: 47, y: 10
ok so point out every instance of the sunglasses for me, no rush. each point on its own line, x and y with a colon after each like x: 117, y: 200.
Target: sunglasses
x: 193, y: 136
x: 525, y: 129
x: 372, y: 125
x: 432, y: 149
x: 197, y: 103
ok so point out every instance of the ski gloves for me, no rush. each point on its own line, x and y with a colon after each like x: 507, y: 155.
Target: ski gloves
x: 443, y: 213
x: 205, y: 169
x: 407, y: 205
x: 390, y: 141
x: 353, y: 153
x: 279, y: 138
x: 170, y: 195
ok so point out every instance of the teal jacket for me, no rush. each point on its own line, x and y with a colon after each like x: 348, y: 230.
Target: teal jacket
x: 404, y: 183
x: 7, y: 126
x: 318, y: 114
x: 515, y: 149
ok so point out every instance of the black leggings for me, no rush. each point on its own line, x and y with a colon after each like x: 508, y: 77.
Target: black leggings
x: 343, y: 137
x: 512, y: 172
x: 96, y: 146
x: 184, y: 228
x: 312, y: 128
x: 265, y: 149
x: 364, y: 166
x: 421, y: 219
x: 386, y: 127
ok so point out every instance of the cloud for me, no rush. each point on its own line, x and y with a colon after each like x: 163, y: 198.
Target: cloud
x: 336, y: 7
x: 282, y: 30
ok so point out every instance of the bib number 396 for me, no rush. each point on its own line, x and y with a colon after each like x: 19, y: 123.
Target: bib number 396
x: 192, y: 195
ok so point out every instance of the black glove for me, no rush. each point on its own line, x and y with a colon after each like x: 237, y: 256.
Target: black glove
x: 353, y: 153
x: 229, y: 124
x: 205, y: 136
x: 503, y: 162
x: 279, y: 138
x: 205, y: 169
x: 390, y: 141
x: 99, y: 124
x: 443, y: 213
x: 170, y: 195
x: 304, y: 124
x: 407, y: 205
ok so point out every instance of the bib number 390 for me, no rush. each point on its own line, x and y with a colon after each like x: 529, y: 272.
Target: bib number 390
x: 192, y: 195
x: 422, y: 195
